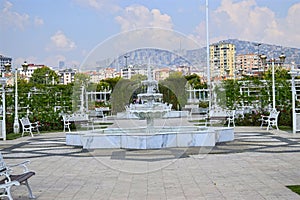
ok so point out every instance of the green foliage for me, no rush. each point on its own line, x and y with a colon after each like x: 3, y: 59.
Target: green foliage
x: 195, y: 81
x: 81, y: 79
x: 174, y: 90
x: 112, y: 81
x: 124, y: 92
x: 44, y: 103
x: 44, y: 75
x: 138, y: 77
x: 228, y: 94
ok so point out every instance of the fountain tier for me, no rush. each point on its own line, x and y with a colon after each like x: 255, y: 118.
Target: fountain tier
x: 138, y: 138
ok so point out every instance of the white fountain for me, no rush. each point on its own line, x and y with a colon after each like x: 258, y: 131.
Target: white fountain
x: 150, y: 107
x: 178, y: 133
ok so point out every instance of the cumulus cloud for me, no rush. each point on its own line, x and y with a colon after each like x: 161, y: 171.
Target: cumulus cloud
x: 291, y: 25
x: 244, y: 20
x: 59, y: 41
x: 18, y: 21
x: 247, y: 21
x: 138, y: 16
x: 10, y: 18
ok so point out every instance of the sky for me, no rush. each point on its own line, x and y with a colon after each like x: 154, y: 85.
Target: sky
x: 47, y: 31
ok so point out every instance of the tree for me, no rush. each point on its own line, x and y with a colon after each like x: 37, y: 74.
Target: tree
x: 112, y: 81
x: 44, y: 75
x: 81, y: 79
x: 123, y: 93
x: 232, y: 97
x: 173, y: 89
x: 195, y: 81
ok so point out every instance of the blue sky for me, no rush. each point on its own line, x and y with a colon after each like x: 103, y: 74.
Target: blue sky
x: 47, y: 31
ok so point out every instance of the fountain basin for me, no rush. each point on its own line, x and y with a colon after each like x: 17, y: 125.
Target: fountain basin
x: 139, y: 138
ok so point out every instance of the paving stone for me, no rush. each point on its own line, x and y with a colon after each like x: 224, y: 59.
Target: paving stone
x: 257, y: 165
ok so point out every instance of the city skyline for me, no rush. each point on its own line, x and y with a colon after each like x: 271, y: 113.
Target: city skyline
x: 46, y: 32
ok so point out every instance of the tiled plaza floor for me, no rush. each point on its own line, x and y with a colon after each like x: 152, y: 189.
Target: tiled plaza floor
x: 257, y: 165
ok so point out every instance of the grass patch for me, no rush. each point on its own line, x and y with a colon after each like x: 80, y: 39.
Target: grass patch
x: 294, y: 188
x: 12, y: 136
x: 285, y: 128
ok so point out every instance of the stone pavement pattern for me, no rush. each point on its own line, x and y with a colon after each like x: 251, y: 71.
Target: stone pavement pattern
x: 257, y: 165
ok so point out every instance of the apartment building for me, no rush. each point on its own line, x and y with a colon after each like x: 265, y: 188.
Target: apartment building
x: 129, y: 71
x: 222, y: 60
x: 248, y: 64
x: 66, y: 76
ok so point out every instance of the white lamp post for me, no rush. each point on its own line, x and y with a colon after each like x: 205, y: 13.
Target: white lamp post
x: 3, y: 83
x: 282, y: 59
x: 294, y: 73
x: 208, y: 56
x: 16, y: 119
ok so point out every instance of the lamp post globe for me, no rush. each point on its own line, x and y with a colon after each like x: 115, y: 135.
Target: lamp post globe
x: 7, y: 67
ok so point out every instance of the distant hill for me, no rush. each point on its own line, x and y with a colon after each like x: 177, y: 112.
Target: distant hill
x: 272, y: 51
x: 197, y: 57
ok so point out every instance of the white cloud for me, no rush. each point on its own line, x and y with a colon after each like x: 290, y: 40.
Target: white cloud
x: 59, y: 41
x: 20, y: 60
x: 247, y: 21
x: 103, y: 5
x: 38, y: 21
x: 10, y: 18
x: 18, y: 21
x: 137, y: 16
x: 291, y: 25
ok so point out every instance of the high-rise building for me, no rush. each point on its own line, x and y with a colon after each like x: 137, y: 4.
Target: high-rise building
x: 222, y: 60
x: 61, y: 64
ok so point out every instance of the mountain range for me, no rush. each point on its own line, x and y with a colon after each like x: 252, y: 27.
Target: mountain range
x: 197, y: 57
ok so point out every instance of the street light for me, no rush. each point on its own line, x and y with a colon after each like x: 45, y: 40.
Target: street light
x: 3, y: 83
x: 7, y: 67
x: 126, y: 57
x: 294, y: 73
x: 281, y: 61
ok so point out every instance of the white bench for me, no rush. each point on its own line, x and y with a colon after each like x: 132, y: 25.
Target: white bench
x: 270, y: 120
x: 66, y: 122
x: 7, y: 179
x: 231, y: 117
x: 81, y: 118
x: 28, y: 127
x: 200, y: 115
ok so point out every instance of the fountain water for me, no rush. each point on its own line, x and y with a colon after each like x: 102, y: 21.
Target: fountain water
x: 150, y: 108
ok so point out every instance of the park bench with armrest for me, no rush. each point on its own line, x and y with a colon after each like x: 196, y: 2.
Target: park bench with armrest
x: 231, y: 117
x: 28, y: 127
x: 217, y: 116
x: 77, y: 118
x: 198, y: 114
x: 7, y: 179
x: 66, y: 122
x: 270, y: 120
